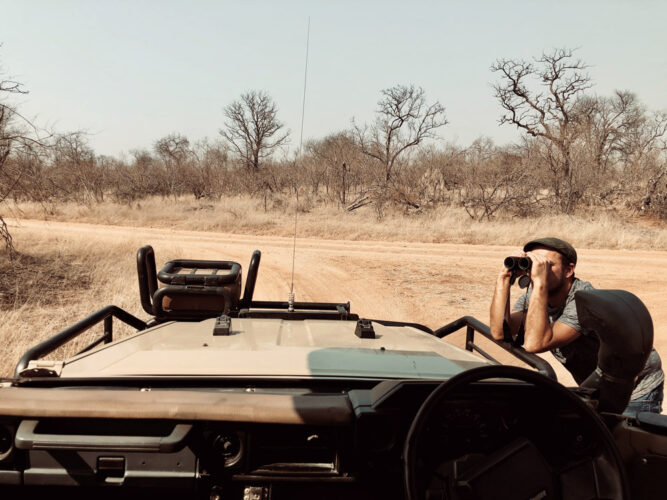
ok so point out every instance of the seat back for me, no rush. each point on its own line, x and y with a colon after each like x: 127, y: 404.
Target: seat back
x: 625, y: 329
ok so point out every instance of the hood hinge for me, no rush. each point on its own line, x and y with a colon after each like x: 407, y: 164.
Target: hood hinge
x: 42, y: 368
x: 223, y: 325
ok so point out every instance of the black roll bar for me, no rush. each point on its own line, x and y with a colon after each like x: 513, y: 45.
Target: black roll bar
x: 473, y: 325
x: 105, y: 314
x: 250, y: 280
x: 147, y: 277
x: 418, y: 326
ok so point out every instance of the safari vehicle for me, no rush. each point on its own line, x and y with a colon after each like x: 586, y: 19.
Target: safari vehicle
x: 221, y: 396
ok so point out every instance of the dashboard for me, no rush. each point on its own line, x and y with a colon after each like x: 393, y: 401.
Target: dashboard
x: 352, y: 446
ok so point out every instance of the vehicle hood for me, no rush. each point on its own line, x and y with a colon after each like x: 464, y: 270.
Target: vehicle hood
x: 275, y: 348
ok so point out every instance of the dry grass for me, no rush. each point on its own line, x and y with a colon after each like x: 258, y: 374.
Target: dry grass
x: 56, y: 282
x: 242, y: 215
x: 41, y: 279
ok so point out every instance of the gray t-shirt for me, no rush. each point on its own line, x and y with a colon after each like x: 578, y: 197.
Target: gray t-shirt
x: 580, y: 356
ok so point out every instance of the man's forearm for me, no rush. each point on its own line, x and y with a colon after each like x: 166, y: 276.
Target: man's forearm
x: 499, y: 307
x: 538, y: 332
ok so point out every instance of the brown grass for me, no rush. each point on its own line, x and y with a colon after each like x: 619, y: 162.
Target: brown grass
x: 57, y: 281
x: 243, y: 215
x: 41, y: 279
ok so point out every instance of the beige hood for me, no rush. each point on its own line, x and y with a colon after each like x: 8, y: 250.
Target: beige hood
x: 275, y: 348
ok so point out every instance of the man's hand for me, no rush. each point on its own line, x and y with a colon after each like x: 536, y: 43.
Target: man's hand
x: 539, y: 270
x: 504, y: 276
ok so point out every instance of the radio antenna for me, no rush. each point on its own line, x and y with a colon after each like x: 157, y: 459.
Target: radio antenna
x: 290, y: 302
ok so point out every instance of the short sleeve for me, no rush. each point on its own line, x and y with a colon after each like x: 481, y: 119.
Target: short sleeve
x: 569, y: 316
x: 521, y: 303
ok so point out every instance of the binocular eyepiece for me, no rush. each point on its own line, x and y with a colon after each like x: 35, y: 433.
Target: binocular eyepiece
x: 518, y: 263
x: 520, y: 266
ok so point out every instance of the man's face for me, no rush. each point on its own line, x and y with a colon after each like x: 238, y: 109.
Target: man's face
x: 560, y: 270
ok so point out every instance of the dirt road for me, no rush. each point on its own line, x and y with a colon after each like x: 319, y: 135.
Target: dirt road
x: 431, y: 284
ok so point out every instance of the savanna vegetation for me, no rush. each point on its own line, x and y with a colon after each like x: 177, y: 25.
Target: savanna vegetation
x: 589, y: 167
x: 581, y: 153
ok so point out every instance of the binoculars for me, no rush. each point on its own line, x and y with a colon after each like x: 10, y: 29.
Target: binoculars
x: 518, y: 265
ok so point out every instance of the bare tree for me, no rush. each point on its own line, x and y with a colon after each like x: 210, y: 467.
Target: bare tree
x: 606, y: 123
x: 173, y: 147
x: 540, y: 98
x: 206, y: 175
x: 495, y: 180
x: 620, y: 145
x: 339, y: 156
x: 16, y: 134
x: 174, y: 153
x: 77, y: 175
x: 252, y: 128
x: 403, y: 120
x: 645, y: 154
x: 439, y: 173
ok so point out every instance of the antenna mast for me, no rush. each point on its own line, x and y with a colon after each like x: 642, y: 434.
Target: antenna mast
x: 290, y: 300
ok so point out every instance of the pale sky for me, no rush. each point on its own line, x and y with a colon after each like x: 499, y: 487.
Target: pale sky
x: 130, y: 72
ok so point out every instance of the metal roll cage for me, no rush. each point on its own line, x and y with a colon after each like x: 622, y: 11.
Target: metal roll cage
x: 151, y: 298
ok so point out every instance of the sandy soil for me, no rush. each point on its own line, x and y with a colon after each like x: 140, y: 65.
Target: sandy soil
x: 431, y: 284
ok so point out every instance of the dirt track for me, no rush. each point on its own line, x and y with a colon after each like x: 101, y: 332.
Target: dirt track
x: 425, y: 283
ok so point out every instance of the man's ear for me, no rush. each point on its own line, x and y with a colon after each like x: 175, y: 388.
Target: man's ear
x: 569, y: 270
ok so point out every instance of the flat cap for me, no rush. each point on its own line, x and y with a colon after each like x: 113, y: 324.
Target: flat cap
x: 558, y: 245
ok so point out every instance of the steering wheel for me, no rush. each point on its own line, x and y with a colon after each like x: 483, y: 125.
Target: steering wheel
x: 519, y: 466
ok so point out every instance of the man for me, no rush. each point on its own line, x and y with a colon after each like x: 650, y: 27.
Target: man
x: 548, y: 314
